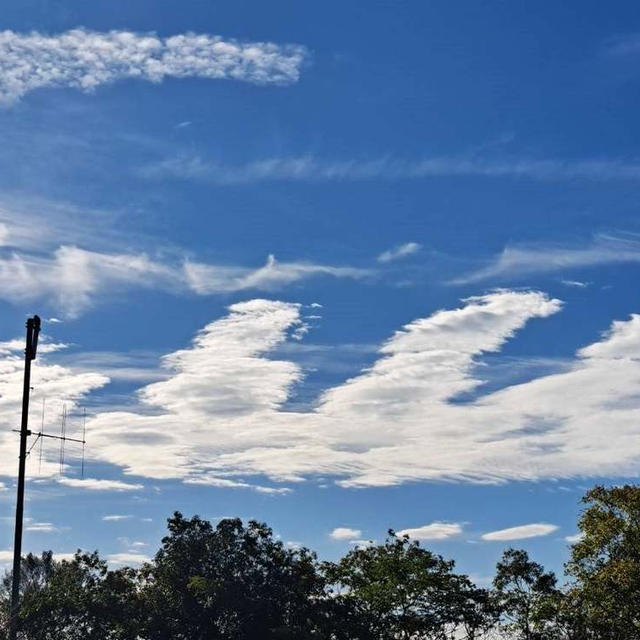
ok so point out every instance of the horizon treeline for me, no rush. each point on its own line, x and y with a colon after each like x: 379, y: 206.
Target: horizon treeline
x: 237, y: 582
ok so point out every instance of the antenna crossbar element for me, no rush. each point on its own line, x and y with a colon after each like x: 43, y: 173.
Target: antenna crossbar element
x: 40, y: 434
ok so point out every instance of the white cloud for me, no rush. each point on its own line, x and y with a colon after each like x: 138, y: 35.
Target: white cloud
x: 576, y: 284
x: 41, y: 527
x: 93, y: 484
x: 84, y: 60
x: 127, y: 558
x: 345, y: 533
x: 6, y: 556
x: 520, y: 533
x: 308, y: 168
x: 226, y: 483
x: 362, y: 544
x: 370, y: 430
x: 574, y: 538
x: 74, y: 277
x: 208, y: 279
x: 433, y: 531
x: 523, y: 260
x: 401, y: 251
x: 58, y: 384
x: 418, y: 413
x: 116, y: 518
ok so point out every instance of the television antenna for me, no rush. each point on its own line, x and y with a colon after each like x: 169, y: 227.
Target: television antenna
x: 31, y: 347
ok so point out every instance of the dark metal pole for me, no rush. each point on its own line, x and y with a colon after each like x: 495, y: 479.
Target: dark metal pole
x: 33, y: 328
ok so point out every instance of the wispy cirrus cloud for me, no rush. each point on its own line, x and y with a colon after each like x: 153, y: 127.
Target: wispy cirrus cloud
x: 623, y: 45
x: 84, y: 60
x: 41, y: 527
x: 520, y: 533
x: 207, y: 279
x: 521, y: 260
x: 73, y: 277
x: 400, y: 251
x: 310, y: 168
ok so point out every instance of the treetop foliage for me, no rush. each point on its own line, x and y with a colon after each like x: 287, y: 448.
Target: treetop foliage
x: 235, y: 581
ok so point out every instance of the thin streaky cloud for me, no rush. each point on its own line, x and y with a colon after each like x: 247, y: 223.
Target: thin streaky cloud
x: 116, y: 518
x: 521, y: 260
x: 41, y: 527
x: 522, y: 532
x: 309, y: 168
x: 95, y: 484
x: 72, y: 278
x: 206, y: 279
x: 84, y: 60
x: 576, y: 284
x: 627, y: 45
x: 400, y: 251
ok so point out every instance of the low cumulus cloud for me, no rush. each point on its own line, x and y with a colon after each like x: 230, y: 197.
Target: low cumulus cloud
x: 84, y: 60
x: 433, y: 531
x: 345, y: 533
x: 520, y: 533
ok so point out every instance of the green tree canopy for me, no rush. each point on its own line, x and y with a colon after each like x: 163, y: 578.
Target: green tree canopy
x: 400, y: 590
x: 605, y: 563
x: 527, y: 597
x: 75, y: 599
x: 230, y: 581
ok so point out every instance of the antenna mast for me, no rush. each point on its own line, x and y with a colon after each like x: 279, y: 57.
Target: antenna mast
x: 33, y: 329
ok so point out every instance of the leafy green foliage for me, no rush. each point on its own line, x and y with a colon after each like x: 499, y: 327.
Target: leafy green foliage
x: 527, y: 596
x: 236, y: 582
x: 77, y: 599
x: 605, y: 563
x: 401, y: 590
x: 229, y: 582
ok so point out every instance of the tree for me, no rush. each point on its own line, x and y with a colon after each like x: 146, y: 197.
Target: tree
x: 230, y: 582
x: 400, y: 590
x: 527, y: 597
x: 76, y: 599
x: 605, y: 563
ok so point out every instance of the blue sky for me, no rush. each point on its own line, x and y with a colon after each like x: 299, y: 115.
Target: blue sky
x: 389, y: 250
